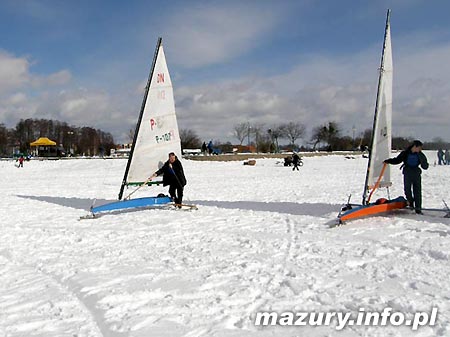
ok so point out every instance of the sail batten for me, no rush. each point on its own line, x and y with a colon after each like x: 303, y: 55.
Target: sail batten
x: 156, y: 132
x: 382, y: 126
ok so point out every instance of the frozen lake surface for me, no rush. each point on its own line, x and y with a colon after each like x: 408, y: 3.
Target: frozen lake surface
x: 259, y: 241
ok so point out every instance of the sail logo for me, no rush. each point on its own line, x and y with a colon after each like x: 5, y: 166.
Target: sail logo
x: 160, y: 78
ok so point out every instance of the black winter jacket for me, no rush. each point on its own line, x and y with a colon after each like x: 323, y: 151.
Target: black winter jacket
x: 172, y: 175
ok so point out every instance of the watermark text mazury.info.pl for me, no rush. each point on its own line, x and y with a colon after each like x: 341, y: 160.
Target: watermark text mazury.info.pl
x: 343, y: 319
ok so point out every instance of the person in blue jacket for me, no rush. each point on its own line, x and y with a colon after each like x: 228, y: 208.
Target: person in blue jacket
x: 413, y: 159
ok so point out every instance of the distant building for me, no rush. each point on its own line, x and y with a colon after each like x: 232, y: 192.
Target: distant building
x: 122, y: 150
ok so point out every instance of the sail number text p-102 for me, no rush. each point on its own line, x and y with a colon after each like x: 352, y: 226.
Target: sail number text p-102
x: 168, y: 136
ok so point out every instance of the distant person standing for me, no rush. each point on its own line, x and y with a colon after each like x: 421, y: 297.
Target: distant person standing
x: 295, y: 161
x: 412, y: 158
x: 173, y: 175
x: 210, y: 147
x: 440, y: 155
x: 204, y: 148
x: 21, y: 159
x: 447, y: 157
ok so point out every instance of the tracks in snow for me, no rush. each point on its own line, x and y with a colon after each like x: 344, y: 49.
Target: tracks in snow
x: 49, y: 300
x: 278, y: 278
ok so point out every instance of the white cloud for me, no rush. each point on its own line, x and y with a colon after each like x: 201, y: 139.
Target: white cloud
x: 16, y: 99
x: 14, y: 72
x: 80, y: 107
x: 210, y: 34
x: 422, y: 87
x: 213, y: 110
x: 318, y: 90
x: 24, y: 94
x: 313, y: 92
x: 59, y: 78
x: 17, y: 81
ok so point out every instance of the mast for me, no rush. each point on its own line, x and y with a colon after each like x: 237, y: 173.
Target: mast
x: 377, y: 105
x: 144, y: 101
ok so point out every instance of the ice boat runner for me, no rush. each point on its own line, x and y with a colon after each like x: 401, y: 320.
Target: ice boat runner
x: 378, y: 174
x: 155, y: 136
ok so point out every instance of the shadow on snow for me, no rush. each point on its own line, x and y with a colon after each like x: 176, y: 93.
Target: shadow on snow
x: 311, y: 209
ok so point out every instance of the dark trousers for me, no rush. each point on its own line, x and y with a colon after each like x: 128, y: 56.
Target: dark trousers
x: 412, y: 183
x: 176, y: 193
x: 295, y: 167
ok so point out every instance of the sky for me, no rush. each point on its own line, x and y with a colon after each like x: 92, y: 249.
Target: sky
x: 263, y: 62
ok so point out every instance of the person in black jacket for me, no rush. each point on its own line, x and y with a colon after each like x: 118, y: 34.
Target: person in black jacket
x: 295, y: 161
x: 173, y: 175
x: 412, y: 158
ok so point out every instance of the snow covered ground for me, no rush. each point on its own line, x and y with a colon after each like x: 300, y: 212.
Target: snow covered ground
x: 260, y: 241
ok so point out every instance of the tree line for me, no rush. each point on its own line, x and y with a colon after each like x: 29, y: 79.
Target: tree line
x: 325, y: 137
x: 89, y: 141
x: 71, y: 139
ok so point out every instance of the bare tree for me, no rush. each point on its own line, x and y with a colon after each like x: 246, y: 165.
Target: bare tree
x: 256, y: 130
x: 318, y: 136
x: 241, y: 131
x: 366, y: 137
x: 333, y: 132
x: 326, y: 133
x: 3, y: 139
x: 265, y: 143
x: 189, y: 139
x: 275, y: 133
x: 293, y: 131
x: 130, y: 136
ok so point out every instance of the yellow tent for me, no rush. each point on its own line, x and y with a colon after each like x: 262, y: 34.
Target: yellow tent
x: 43, y: 141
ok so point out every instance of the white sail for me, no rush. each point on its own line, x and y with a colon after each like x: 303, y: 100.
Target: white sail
x: 382, y: 127
x: 157, y: 133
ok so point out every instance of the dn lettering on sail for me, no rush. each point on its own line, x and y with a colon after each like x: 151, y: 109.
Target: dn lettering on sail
x: 160, y: 78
